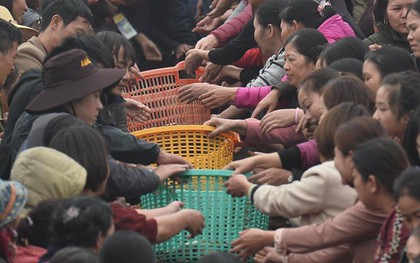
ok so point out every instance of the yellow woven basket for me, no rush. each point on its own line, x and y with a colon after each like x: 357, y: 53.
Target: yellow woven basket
x: 192, y: 143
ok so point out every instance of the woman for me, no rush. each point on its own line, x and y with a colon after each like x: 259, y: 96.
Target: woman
x: 340, y: 229
x: 396, y: 99
x: 411, y: 141
x: 378, y: 64
x: 349, y: 47
x: 299, y: 15
x: 374, y: 189
x: 114, y: 113
x: 407, y: 195
x: 390, y: 18
x: 17, y: 8
x: 315, y: 96
x: 314, y: 197
x: 267, y: 34
x: 82, y: 222
x: 413, y: 22
x: 358, y: 225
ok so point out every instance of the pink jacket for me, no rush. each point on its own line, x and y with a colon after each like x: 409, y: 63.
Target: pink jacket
x: 357, y: 225
x: 233, y: 27
x: 286, y: 136
x: 249, y: 97
x: 335, y: 28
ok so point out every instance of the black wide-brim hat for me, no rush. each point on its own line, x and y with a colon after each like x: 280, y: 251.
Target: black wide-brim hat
x: 71, y: 75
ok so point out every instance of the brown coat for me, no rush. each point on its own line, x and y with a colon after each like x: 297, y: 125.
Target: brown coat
x: 30, y: 55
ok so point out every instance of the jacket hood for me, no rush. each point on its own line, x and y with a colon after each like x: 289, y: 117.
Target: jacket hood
x: 36, y: 135
x: 334, y: 28
x: 48, y: 174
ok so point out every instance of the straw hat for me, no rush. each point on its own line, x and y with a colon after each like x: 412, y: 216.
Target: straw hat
x: 27, y: 32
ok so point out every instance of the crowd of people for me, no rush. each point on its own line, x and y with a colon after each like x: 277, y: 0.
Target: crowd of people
x: 326, y: 94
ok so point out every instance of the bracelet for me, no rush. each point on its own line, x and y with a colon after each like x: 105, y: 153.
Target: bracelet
x: 296, y: 115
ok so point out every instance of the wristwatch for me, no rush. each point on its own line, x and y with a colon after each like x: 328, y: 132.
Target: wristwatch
x: 290, y: 178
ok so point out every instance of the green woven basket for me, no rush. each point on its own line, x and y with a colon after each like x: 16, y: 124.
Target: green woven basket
x: 224, y: 216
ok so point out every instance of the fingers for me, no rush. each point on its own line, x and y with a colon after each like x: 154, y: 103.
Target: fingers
x: 185, y: 93
x: 136, y: 72
x: 257, y: 110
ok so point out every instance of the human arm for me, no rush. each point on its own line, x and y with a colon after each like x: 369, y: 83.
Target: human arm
x: 173, y: 207
x: 251, y: 241
x: 224, y: 125
x: 232, y: 27
x: 250, y: 97
x: 186, y: 219
x: 280, y: 119
x: 234, y: 49
x: 286, y: 136
x: 137, y: 110
x: 355, y: 224
x: 219, y: 7
x: 127, y: 148
x: 129, y: 181
x: 283, y: 91
x: 263, y: 161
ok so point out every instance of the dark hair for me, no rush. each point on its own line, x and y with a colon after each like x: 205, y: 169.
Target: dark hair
x: 126, y: 246
x: 78, y: 221
x: 316, y: 80
x: 11, y: 80
x: 324, y: 133
x: 403, y: 92
x: 308, y: 42
x: 348, y: 66
x: 379, y: 10
x: 8, y: 4
x: 306, y: 12
x: 115, y: 42
x: 381, y: 157
x: 408, y: 184
x: 59, y: 123
x: 74, y: 255
x: 220, y: 257
x: 391, y: 59
x: 91, y: 44
x: 349, y: 47
x: 87, y: 147
x: 9, y: 35
x: 269, y: 12
x: 346, y: 88
x: 68, y: 10
x: 356, y: 131
x: 414, y: 7
x: 34, y: 228
x: 410, y: 138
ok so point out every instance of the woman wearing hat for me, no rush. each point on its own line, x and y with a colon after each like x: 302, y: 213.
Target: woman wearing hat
x: 72, y: 84
x: 13, y: 197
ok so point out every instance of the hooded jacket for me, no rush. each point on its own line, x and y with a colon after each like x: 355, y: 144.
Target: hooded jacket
x: 334, y: 28
x: 65, y: 176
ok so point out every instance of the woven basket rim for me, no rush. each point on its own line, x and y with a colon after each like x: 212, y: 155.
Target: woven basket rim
x: 208, y: 172
x: 191, y: 128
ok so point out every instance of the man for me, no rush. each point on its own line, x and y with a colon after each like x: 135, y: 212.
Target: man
x: 60, y: 19
x: 10, y: 39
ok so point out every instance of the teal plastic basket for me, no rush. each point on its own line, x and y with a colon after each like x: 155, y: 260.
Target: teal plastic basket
x: 224, y: 216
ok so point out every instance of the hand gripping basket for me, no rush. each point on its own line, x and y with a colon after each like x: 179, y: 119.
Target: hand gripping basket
x: 159, y: 91
x: 224, y: 216
x: 192, y: 143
